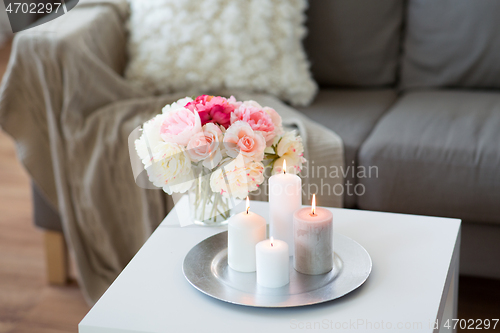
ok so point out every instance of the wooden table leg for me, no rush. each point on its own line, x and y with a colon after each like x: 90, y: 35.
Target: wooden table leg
x: 56, y: 254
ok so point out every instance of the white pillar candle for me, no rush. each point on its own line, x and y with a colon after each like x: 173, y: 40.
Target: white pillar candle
x: 285, y: 197
x: 245, y: 230
x: 273, y: 263
x: 313, y: 240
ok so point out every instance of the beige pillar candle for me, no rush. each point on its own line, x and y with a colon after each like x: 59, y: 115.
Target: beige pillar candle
x: 313, y: 239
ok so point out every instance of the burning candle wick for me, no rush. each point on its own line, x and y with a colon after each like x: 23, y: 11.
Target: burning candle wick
x: 313, y: 208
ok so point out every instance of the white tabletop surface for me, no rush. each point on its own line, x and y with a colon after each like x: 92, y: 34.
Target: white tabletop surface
x: 411, y: 257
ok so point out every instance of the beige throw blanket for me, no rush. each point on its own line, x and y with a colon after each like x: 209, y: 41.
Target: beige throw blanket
x: 66, y: 104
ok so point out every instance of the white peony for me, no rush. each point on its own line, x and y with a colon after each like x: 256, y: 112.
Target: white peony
x: 171, y: 168
x: 149, y: 139
x: 242, y: 178
x: 255, y: 175
x: 291, y: 149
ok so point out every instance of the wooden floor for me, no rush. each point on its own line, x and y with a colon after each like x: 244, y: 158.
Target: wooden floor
x: 28, y: 304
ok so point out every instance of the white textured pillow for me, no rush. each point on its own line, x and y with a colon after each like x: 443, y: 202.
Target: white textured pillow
x: 203, y: 45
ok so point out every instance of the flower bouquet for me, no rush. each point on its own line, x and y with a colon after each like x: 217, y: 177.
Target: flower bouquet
x: 216, y: 149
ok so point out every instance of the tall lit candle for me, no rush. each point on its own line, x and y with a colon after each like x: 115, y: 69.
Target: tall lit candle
x: 245, y: 230
x: 313, y: 234
x: 285, y: 197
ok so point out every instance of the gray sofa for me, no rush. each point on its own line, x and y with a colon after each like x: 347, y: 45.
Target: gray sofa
x: 413, y: 88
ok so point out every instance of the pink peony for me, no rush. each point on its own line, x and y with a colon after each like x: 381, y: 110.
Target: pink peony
x: 276, y: 118
x: 214, y: 109
x: 240, y: 138
x: 204, y: 146
x: 291, y: 149
x: 179, y: 126
x: 258, y: 119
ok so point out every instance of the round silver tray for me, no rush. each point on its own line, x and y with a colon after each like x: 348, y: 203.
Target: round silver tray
x: 205, y: 267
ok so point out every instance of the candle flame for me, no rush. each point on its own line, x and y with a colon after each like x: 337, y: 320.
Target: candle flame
x: 284, y: 166
x: 272, y: 240
x: 248, y: 204
x: 313, y: 208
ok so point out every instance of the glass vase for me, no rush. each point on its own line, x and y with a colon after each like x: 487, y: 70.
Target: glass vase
x: 207, y: 208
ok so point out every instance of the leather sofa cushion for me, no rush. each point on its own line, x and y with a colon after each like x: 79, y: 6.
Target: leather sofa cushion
x: 437, y: 153
x: 452, y: 43
x: 352, y: 114
x: 354, y: 42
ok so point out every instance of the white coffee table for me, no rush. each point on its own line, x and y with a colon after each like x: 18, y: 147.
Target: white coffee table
x: 413, y: 283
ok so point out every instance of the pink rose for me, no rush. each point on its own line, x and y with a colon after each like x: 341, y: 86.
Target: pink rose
x: 205, y: 146
x: 240, y: 138
x: 214, y: 109
x: 179, y: 126
x: 258, y: 119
